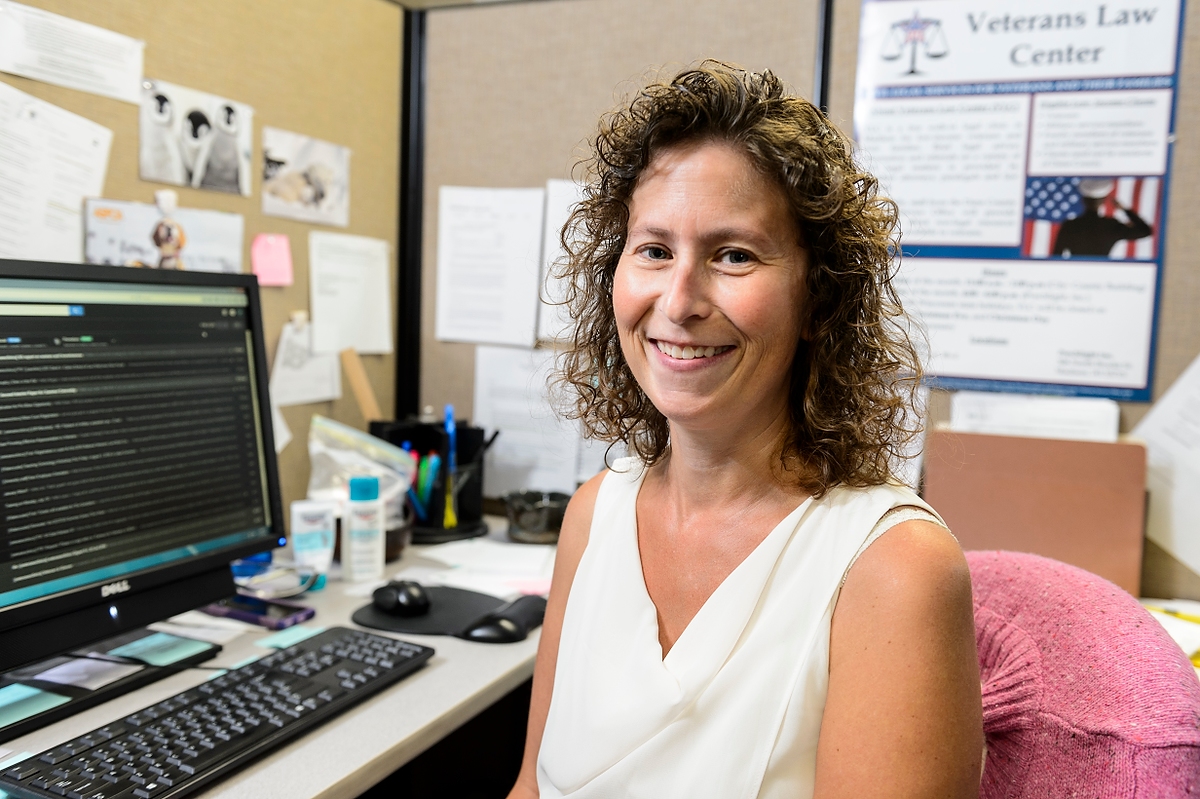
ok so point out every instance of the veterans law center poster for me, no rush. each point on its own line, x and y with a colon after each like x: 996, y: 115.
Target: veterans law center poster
x: 1028, y: 145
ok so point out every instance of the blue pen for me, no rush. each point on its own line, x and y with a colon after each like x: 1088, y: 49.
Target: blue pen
x: 450, y: 518
x: 418, y: 508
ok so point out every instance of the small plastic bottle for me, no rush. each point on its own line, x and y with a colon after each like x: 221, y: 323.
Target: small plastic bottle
x: 363, y: 538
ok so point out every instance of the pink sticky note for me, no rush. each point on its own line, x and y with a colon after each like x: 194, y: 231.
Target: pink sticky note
x: 271, y: 259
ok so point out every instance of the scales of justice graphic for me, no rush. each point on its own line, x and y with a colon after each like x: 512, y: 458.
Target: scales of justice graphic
x: 920, y: 36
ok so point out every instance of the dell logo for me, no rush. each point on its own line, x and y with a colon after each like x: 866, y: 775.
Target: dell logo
x: 119, y: 587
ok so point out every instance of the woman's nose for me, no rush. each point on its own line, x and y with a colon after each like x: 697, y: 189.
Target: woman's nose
x: 686, y: 293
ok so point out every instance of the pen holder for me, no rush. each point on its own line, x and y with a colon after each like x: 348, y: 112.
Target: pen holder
x: 466, y: 483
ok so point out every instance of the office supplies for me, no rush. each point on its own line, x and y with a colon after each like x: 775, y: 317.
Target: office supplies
x: 1079, y: 502
x: 535, y: 517
x: 507, y: 624
x: 451, y: 518
x: 274, y: 614
x: 133, y: 408
x: 432, y: 438
x: 402, y: 598
x: 177, y: 746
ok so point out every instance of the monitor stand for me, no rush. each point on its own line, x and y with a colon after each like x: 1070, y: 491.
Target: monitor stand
x: 42, y: 693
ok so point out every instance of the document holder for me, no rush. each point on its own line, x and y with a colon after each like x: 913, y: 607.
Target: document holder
x: 427, y: 437
x: 1078, y: 502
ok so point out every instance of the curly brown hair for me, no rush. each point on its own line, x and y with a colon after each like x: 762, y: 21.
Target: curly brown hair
x: 853, y: 380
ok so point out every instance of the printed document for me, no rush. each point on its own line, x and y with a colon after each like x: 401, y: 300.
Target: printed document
x: 50, y: 161
x: 350, y: 293
x: 299, y: 375
x: 554, y: 318
x: 536, y: 450
x: 66, y: 52
x: 1172, y: 434
x: 489, y: 252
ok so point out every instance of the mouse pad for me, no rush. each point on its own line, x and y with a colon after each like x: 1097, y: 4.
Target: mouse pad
x: 450, y: 611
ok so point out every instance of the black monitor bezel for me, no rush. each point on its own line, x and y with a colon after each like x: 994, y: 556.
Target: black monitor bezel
x: 74, y: 599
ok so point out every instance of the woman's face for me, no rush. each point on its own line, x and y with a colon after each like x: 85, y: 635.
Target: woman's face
x: 709, y: 292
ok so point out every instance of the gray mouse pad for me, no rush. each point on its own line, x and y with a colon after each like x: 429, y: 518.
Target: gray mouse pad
x: 450, y: 611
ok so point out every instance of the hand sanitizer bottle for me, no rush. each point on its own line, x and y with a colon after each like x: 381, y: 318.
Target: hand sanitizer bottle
x: 363, y: 539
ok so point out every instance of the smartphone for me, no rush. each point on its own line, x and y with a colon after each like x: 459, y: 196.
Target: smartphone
x: 274, y: 614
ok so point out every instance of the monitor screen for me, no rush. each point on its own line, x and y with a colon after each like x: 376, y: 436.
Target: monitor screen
x: 133, y: 436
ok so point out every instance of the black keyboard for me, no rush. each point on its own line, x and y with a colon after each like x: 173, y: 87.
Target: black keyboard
x: 175, y: 747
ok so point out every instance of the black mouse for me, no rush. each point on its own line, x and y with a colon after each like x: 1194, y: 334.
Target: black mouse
x: 402, y: 598
x: 507, y: 624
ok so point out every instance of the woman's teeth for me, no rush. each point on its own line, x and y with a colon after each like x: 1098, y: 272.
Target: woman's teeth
x: 689, y: 353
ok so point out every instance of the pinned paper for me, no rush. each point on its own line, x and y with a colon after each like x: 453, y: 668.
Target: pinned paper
x: 299, y: 375
x: 271, y: 259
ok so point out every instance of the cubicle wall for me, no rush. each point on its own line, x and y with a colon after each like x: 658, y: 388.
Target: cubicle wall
x: 325, y: 68
x: 515, y: 90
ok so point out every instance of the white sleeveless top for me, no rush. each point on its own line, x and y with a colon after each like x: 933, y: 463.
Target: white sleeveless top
x: 734, y: 709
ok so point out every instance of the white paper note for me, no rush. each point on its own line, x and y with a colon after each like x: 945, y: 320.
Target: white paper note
x: 279, y: 426
x: 489, y: 252
x: 536, y: 450
x: 554, y: 319
x: 300, y: 376
x: 66, y: 52
x: 1073, y: 418
x: 50, y: 160
x: 1172, y: 434
x: 350, y: 293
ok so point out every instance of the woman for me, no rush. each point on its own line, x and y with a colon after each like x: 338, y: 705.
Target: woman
x: 748, y: 606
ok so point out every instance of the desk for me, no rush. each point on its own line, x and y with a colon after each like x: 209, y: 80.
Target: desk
x: 353, y: 751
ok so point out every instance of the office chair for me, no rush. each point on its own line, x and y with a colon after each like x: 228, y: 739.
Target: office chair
x: 1084, y: 693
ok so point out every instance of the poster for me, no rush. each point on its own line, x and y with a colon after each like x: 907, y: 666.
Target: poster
x: 305, y: 178
x: 192, y: 138
x: 137, y: 234
x: 1028, y: 146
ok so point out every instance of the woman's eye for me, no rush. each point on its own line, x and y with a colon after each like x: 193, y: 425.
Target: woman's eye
x: 655, y: 253
x: 737, y: 257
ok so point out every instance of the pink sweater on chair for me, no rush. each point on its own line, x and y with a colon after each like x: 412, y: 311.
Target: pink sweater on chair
x: 1084, y: 693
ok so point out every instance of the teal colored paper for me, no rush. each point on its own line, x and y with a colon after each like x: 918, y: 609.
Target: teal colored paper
x: 18, y: 702
x: 292, y: 635
x: 160, y: 649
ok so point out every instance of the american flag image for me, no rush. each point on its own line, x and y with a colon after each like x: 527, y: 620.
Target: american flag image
x: 1051, y: 201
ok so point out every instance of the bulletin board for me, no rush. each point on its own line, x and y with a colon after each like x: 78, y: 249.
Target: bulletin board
x: 515, y: 90
x: 329, y: 70
x: 1178, y: 341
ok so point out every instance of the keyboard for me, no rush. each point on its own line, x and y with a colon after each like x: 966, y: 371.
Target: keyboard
x: 177, y: 746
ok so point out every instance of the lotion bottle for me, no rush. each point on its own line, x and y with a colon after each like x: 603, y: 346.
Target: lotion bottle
x: 363, y: 538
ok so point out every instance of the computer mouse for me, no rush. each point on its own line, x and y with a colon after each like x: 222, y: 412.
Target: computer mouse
x: 507, y: 624
x: 402, y: 598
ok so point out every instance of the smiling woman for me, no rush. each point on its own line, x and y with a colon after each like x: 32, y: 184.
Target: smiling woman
x: 750, y: 605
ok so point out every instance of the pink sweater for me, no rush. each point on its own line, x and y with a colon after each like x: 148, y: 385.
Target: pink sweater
x: 1084, y: 693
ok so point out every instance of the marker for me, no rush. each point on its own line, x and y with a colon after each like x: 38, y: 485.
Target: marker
x: 450, y: 518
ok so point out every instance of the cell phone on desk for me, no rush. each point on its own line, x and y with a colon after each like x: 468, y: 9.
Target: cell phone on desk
x: 274, y: 614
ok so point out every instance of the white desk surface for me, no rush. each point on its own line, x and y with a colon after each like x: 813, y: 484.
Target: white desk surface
x: 358, y: 748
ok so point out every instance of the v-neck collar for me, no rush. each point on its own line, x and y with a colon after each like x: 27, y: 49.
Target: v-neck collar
x: 711, y: 634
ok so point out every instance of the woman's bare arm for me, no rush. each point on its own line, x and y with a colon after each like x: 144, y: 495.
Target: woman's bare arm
x: 572, y: 540
x: 903, y: 716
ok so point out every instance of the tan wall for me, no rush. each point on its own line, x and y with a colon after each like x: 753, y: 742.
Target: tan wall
x: 515, y: 90
x: 324, y: 68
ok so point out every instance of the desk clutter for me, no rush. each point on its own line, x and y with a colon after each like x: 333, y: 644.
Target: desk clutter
x: 181, y: 744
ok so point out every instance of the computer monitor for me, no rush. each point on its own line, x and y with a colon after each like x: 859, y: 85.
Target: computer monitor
x: 136, y: 453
